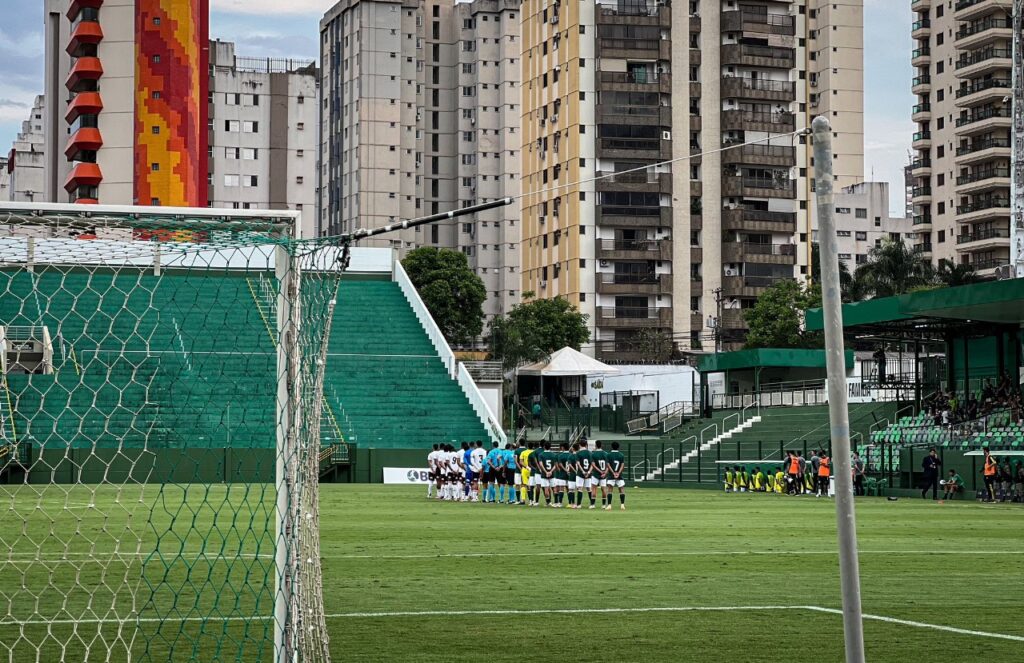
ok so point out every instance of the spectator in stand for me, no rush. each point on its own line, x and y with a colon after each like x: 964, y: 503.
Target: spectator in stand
x: 858, y: 475
x: 952, y: 485
x: 988, y: 392
x: 536, y: 414
x: 930, y: 470
x: 1018, y: 485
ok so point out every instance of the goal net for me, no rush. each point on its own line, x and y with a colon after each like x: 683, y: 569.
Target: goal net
x: 161, y: 408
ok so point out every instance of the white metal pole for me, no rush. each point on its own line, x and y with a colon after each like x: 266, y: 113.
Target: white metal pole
x: 839, y: 416
x: 285, y: 458
x: 1017, y: 140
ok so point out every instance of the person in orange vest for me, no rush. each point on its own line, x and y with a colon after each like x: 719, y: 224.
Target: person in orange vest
x: 824, y: 472
x: 990, y: 471
x: 793, y: 470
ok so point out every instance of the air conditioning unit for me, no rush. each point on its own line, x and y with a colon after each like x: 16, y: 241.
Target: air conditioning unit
x: 729, y: 271
x: 543, y: 284
x: 553, y: 19
x: 472, y: 120
x: 605, y: 263
x: 542, y: 219
x: 666, y: 135
x: 1004, y: 272
x: 554, y: 119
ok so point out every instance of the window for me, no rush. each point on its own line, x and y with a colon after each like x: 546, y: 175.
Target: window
x: 862, y: 236
x: 842, y: 210
x: 843, y: 233
x: 231, y: 125
x: 301, y: 99
x: 250, y: 180
x: 231, y: 180
x: 250, y: 127
x: 230, y: 152
x: 156, y: 59
x: 942, y: 236
x: 861, y: 213
x: 844, y: 256
x: 299, y: 180
x: 469, y: 91
x: 300, y: 126
x: 154, y: 167
x: 156, y: 130
x: 250, y: 153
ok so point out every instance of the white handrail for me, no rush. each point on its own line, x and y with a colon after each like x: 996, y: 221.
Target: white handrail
x: 480, y: 406
x: 423, y: 315
x: 738, y: 421
x: 715, y: 426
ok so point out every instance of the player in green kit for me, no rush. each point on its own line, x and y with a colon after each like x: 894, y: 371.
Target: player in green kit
x: 535, y: 474
x: 599, y: 462
x: 560, y: 480
x: 570, y: 473
x: 548, y: 465
x: 583, y: 473
x: 616, y: 465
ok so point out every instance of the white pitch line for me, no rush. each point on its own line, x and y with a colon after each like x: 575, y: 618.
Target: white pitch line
x: 673, y: 553
x: 934, y: 627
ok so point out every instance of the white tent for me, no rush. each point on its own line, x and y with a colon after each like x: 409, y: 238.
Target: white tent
x: 567, y: 362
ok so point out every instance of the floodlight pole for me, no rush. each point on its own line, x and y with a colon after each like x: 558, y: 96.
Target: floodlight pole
x: 1017, y: 140
x: 839, y: 417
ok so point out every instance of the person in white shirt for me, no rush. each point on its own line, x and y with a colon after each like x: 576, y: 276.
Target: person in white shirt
x: 476, y: 467
x: 433, y: 476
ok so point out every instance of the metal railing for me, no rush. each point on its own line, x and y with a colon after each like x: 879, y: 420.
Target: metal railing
x: 987, y: 113
x: 982, y: 144
x: 983, y: 174
x: 987, y: 233
x: 979, y: 205
x: 973, y: 28
x: 980, y: 86
x: 975, y: 57
x: 633, y: 279
x: 639, y: 76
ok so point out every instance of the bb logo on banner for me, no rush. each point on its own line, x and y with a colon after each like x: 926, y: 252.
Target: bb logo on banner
x: 406, y: 475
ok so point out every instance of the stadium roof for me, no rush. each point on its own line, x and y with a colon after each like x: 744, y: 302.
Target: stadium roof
x: 980, y: 304
x: 767, y: 357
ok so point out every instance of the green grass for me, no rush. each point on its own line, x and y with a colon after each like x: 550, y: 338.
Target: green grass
x: 386, y: 549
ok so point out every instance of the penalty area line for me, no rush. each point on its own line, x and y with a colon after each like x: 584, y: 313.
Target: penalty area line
x: 669, y: 553
x: 934, y: 627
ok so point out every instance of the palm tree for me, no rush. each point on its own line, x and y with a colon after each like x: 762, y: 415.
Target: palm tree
x: 895, y: 269
x: 852, y: 289
x: 952, y: 274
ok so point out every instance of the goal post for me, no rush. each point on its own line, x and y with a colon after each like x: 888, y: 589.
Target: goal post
x: 161, y: 397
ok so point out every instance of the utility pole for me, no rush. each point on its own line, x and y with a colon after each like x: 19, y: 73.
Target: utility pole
x: 1017, y: 138
x: 715, y: 321
x: 839, y: 415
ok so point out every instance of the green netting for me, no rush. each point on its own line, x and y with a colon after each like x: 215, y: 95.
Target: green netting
x: 163, y: 415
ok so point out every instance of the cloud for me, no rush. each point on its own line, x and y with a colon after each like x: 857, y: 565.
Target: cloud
x: 267, y: 7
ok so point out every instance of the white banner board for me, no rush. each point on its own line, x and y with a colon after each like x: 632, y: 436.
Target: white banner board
x: 406, y: 475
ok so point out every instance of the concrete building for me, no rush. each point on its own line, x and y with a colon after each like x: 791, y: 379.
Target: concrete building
x: 263, y: 136
x: 129, y: 85
x: 420, y: 114
x: 614, y: 86
x: 961, y: 193
x: 23, y: 179
x: 863, y: 221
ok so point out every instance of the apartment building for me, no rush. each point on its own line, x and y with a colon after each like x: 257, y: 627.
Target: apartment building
x: 22, y: 179
x: 619, y: 86
x: 863, y: 221
x: 263, y: 133
x: 961, y: 169
x: 129, y: 86
x: 420, y: 114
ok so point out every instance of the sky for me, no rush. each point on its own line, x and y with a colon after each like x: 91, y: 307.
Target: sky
x: 272, y: 28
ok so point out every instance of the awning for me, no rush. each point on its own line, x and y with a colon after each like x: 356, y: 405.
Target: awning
x: 566, y: 362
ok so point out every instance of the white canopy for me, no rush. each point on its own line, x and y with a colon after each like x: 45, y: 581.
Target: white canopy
x: 566, y: 362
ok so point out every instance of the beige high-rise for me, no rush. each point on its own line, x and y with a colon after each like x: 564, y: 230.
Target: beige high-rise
x: 419, y: 115
x: 682, y: 248
x: 961, y: 170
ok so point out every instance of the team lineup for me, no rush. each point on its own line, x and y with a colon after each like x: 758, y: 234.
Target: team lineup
x: 527, y: 474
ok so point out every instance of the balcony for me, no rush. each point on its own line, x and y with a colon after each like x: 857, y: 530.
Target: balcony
x: 757, y: 23
x: 85, y: 33
x: 967, y: 10
x: 761, y: 155
x: 620, y: 47
x: 752, y: 220
x: 922, y: 220
x: 992, y: 88
x: 922, y: 140
x: 634, y: 148
x: 921, y: 29
x: 84, y: 103
x: 750, y: 252
x: 83, y: 174
x: 921, y: 112
x: 86, y: 139
x: 634, y: 284
x: 978, y: 33
x: 648, y: 115
x: 633, y: 317
x: 984, y: 179
x: 921, y: 84
x: 78, y: 5
x: 737, y: 186
x: 750, y: 55
x: 983, y: 238
x: 634, y: 217
x: 983, y: 61
x: 85, y: 70
x: 740, y: 120
x: 983, y: 209
x: 637, y: 180
x: 921, y: 56
x: 734, y: 318
x: 921, y: 194
x: 920, y: 5
x: 983, y: 149
x: 921, y: 167
x: 982, y: 120
x: 758, y: 88
x: 634, y: 249
x: 748, y: 286
x: 640, y: 80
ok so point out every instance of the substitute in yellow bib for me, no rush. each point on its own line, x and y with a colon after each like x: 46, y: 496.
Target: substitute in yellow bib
x: 524, y: 470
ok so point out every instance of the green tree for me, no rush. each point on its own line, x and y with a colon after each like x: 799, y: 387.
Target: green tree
x: 893, y: 268
x: 776, y: 320
x: 654, y: 345
x: 452, y: 292
x: 535, y: 328
x: 952, y: 274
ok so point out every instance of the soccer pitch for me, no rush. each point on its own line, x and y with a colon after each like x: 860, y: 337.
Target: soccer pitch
x: 681, y: 575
